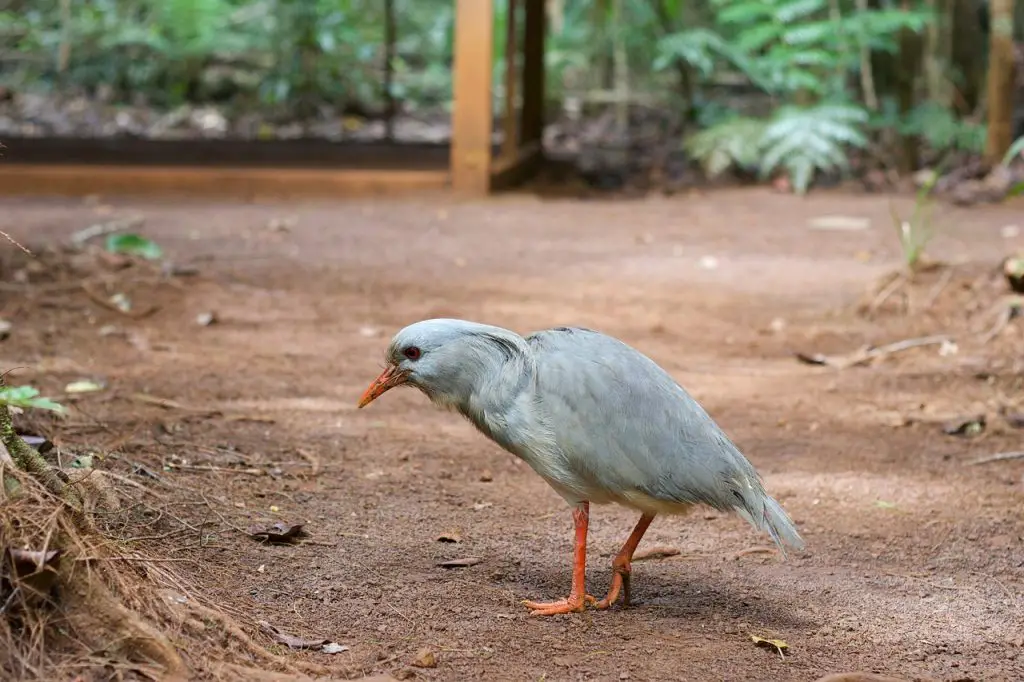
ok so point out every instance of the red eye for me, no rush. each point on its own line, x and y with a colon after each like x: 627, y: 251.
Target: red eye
x: 412, y: 352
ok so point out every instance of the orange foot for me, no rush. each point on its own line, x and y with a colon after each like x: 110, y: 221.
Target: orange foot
x: 572, y: 604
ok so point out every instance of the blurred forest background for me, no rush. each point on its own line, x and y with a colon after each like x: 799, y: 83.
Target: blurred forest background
x: 805, y: 90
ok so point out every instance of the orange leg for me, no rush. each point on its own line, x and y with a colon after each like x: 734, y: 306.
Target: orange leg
x: 578, y: 597
x: 621, y: 564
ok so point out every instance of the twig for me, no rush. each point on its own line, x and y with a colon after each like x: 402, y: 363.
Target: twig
x: 867, y: 354
x: 11, y: 240
x: 210, y: 467
x: 314, y: 463
x: 169, y: 404
x: 937, y: 290
x: 1007, y: 313
x: 753, y: 550
x: 998, y: 457
x: 887, y: 291
x: 106, y: 303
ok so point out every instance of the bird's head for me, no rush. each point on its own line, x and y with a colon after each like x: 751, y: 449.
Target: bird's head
x: 447, y: 359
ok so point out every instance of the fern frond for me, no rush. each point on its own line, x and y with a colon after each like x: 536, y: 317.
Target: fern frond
x: 736, y: 142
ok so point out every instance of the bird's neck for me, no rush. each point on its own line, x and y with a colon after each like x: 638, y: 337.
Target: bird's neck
x: 495, y: 403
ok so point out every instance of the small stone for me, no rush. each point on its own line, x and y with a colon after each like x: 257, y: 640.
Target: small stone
x: 486, y: 477
x: 206, y: 319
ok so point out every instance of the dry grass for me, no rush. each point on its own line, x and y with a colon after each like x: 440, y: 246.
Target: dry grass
x: 100, y: 610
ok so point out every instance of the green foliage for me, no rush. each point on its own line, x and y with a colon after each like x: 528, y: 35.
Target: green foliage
x: 27, y: 397
x: 733, y: 143
x: 800, y: 140
x: 937, y: 125
x: 804, y: 140
x: 133, y: 245
x: 1016, y: 150
x: 804, y: 54
x: 915, y: 233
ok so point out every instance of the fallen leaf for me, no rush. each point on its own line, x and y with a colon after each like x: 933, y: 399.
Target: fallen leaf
x: 121, y: 302
x: 656, y: 552
x: 777, y: 644
x: 333, y: 648
x: 133, y: 245
x: 452, y: 536
x: 291, y: 641
x: 82, y: 462
x: 461, y: 563
x: 206, y: 319
x: 279, y: 533
x: 425, y: 659
x: 33, y: 569
x: 83, y: 386
x: 882, y: 504
x: 966, y: 427
x: 839, y: 223
x: 813, y: 359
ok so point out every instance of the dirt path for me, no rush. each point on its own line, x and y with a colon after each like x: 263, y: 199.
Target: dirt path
x: 915, y: 562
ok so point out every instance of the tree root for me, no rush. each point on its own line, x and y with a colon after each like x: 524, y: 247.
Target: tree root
x: 94, y: 612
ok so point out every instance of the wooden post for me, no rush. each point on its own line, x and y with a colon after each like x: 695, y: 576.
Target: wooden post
x: 510, y: 124
x: 533, y: 72
x: 472, y: 114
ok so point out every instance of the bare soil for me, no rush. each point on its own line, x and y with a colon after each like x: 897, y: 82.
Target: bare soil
x: 915, y: 560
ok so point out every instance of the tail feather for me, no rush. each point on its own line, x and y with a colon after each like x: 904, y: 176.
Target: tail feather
x: 773, y: 519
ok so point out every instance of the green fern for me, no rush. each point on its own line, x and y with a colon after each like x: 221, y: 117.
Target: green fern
x: 805, y: 140
x: 734, y: 143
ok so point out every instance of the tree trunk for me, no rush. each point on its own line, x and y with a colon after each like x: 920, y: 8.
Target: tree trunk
x: 1001, y: 68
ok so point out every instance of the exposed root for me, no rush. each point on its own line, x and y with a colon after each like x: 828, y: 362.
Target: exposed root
x: 91, y: 606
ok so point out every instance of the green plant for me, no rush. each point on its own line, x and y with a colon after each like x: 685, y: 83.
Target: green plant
x: 805, y: 140
x: 799, y: 140
x: 133, y: 245
x: 802, y: 53
x: 732, y: 143
x: 1016, y: 150
x: 26, y: 397
x: 915, y: 233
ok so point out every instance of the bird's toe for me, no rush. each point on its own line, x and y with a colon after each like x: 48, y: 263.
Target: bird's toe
x: 572, y: 604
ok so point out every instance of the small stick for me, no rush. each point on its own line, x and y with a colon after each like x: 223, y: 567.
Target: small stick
x: 11, y: 240
x: 998, y: 457
x: 937, y: 290
x: 887, y: 291
x: 209, y: 467
x: 314, y: 463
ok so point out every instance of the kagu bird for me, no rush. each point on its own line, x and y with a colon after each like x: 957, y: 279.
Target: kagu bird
x: 597, y: 419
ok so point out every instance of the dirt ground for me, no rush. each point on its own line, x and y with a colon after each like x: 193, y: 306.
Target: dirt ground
x: 915, y: 560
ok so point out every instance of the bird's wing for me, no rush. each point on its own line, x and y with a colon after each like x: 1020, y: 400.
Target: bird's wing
x: 625, y: 424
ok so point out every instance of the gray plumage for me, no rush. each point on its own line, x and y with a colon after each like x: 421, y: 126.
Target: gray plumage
x: 597, y: 419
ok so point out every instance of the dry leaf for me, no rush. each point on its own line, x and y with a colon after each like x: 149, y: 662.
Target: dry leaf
x: 279, y: 533
x: 34, y: 570
x: 425, y: 659
x: 291, y: 641
x: 968, y: 427
x: 461, y: 563
x: 777, y: 644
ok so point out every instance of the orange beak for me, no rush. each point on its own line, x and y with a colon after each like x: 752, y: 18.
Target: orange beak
x: 387, y: 380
